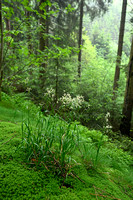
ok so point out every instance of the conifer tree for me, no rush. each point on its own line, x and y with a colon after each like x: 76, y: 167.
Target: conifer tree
x: 43, y: 38
x: 120, y: 46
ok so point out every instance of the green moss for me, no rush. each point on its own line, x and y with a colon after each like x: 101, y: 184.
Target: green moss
x: 8, y: 113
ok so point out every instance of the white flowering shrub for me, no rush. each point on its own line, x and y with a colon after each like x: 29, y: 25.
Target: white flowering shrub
x: 68, y: 107
x: 73, y: 108
x: 48, y: 103
x: 50, y: 93
x: 108, y: 126
x: 71, y: 103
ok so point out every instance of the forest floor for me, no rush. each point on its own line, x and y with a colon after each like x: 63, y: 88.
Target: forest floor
x: 19, y: 180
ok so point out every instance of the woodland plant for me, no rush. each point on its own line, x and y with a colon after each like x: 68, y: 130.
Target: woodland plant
x: 48, y: 104
x: 99, y: 154
x: 90, y: 152
x: 71, y: 103
x: 70, y: 108
x: 47, y: 144
x: 51, y: 145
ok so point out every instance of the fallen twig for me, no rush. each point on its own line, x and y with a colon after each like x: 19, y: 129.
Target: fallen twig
x: 100, y: 189
x: 74, y: 175
x: 122, y: 189
x: 9, y: 139
x: 104, y: 196
x: 95, y: 192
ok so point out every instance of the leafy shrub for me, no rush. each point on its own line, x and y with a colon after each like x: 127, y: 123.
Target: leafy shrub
x: 48, y: 104
x: 68, y: 107
x: 67, y: 102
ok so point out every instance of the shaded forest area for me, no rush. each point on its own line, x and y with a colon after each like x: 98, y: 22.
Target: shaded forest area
x: 63, y: 56
x: 66, y: 99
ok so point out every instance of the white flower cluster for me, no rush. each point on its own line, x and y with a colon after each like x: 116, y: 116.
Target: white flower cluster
x: 72, y: 103
x: 107, y: 116
x: 50, y: 92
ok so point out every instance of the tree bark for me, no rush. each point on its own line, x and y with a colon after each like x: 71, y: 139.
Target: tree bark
x: 1, y: 49
x: 43, y: 41
x: 29, y: 36
x: 120, y: 47
x: 128, y: 100
x: 80, y: 37
x: 57, y: 81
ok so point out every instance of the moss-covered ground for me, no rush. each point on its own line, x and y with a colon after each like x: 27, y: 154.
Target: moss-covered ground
x: 19, y: 180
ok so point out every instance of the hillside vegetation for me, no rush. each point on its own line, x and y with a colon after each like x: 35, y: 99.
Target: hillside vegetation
x: 44, y: 157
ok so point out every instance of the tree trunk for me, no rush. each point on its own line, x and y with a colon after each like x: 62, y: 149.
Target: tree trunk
x: 128, y: 101
x: 80, y: 37
x: 57, y: 81
x: 1, y: 49
x: 8, y: 28
x: 120, y: 47
x: 43, y: 41
x: 29, y: 36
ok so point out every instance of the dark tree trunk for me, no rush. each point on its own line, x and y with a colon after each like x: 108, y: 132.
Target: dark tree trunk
x: 80, y: 37
x: 8, y: 24
x: 29, y: 36
x: 43, y: 42
x: 120, y: 47
x: 57, y: 81
x: 128, y: 101
x: 114, y: 122
x: 1, y: 49
x: 8, y: 28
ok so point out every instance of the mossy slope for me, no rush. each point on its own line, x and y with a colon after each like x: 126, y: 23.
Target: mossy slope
x: 21, y: 181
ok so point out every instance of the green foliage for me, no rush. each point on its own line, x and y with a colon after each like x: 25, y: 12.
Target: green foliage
x: 90, y: 155
x: 95, y: 88
x: 70, y: 108
x: 23, y: 61
x: 101, y: 41
x: 49, y: 145
x: 17, y: 108
x: 61, y: 159
x: 69, y: 8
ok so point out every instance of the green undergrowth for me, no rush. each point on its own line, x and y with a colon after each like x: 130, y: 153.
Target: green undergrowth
x: 47, y: 158
x: 17, y: 108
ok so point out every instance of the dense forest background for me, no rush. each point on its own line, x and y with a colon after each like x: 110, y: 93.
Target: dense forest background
x: 62, y: 56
